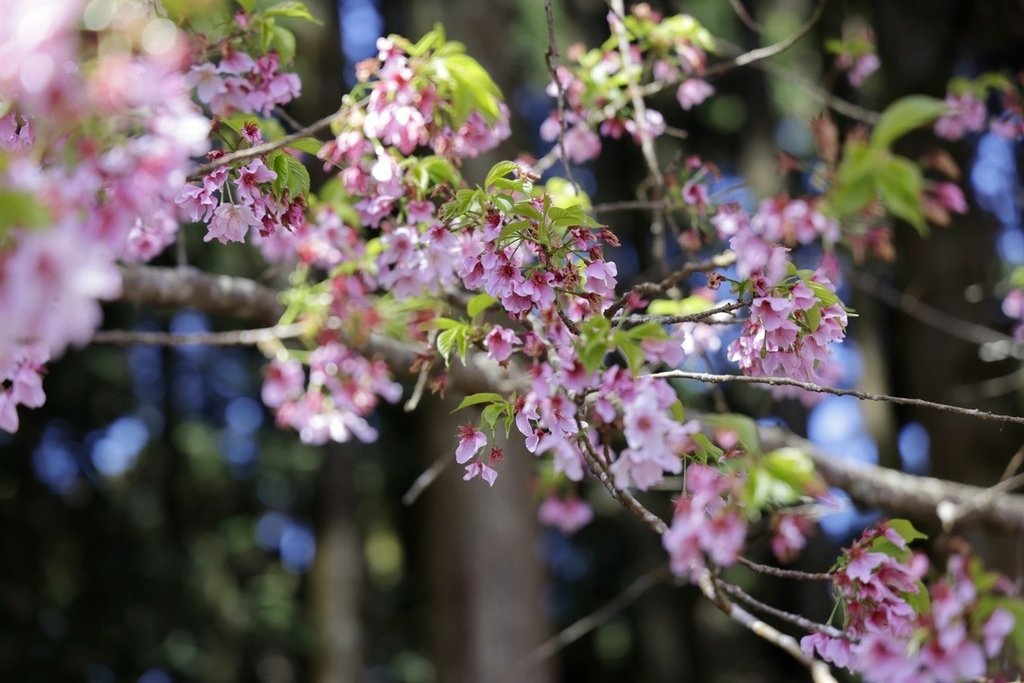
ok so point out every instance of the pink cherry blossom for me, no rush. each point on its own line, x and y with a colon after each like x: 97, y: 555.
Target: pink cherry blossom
x: 471, y: 440
x: 693, y: 91
x: 568, y: 515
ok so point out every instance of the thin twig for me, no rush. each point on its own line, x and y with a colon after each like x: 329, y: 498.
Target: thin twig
x: 588, y: 623
x: 795, y: 619
x: 551, y: 57
x: 231, y: 338
x: 417, y: 391
x: 989, y: 388
x: 762, y: 53
x: 933, y: 317
x: 833, y: 102
x: 783, y: 573
x: 723, y: 260
x: 818, y: 388
x: 267, y: 147
x: 819, y: 670
x: 699, y: 316
x: 635, y: 204
x: 744, y: 16
x: 426, y: 479
x: 646, y: 140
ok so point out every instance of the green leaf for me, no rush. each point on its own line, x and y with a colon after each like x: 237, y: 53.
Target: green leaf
x: 812, y: 318
x: 854, y: 187
x: 21, y: 210
x: 688, y: 306
x: 278, y: 164
x: 283, y: 41
x: 479, y: 303
x: 823, y: 294
x: 706, y: 450
x: 476, y: 399
x: 307, y: 145
x: 471, y: 87
x: 499, y: 170
x: 492, y: 413
x: 745, y: 428
x: 899, y: 183
x: 442, y: 323
x: 293, y: 10
x: 792, y: 466
x: 447, y: 341
x: 906, y: 530
x: 297, y: 181
x: 903, y: 116
x: 247, y: 5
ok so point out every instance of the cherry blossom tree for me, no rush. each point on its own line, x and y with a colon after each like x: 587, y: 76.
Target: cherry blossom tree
x: 122, y: 130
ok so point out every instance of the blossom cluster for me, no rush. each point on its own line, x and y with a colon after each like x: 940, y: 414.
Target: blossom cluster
x: 706, y: 523
x: 231, y: 202
x: 894, y: 634
x: 343, y: 388
x: 792, y: 324
x: 596, y: 97
x: 969, y: 114
x: 95, y: 156
x: 240, y: 84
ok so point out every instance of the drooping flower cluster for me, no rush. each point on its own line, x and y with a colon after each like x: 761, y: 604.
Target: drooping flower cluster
x: 793, y: 323
x: 706, y: 524
x: 893, y: 634
x: 778, y: 221
x: 342, y: 390
x: 231, y: 202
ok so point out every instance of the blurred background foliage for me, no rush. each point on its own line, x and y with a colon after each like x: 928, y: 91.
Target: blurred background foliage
x: 158, y: 528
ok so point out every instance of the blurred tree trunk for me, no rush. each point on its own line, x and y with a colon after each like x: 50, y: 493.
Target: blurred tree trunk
x: 337, y: 577
x: 485, y: 576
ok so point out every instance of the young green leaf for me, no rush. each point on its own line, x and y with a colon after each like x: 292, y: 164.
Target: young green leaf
x: 903, y: 116
x: 476, y: 399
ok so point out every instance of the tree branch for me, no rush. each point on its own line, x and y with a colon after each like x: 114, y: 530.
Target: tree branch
x: 895, y: 492
x: 772, y: 50
x: 818, y: 388
x: 267, y: 147
x: 192, y: 288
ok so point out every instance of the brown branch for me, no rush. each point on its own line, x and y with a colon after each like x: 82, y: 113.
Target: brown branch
x: 267, y: 147
x: 192, y: 288
x: 818, y: 388
x: 795, y: 619
x: 699, y: 316
x: 231, y: 338
x: 820, y: 672
x: 783, y: 573
x: 762, y: 53
x: 933, y: 317
x: 898, y: 493
x: 636, y: 96
x: 588, y: 623
x: 833, y: 102
x: 551, y: 58
x: 648, y: 289
x: 895, y: 492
